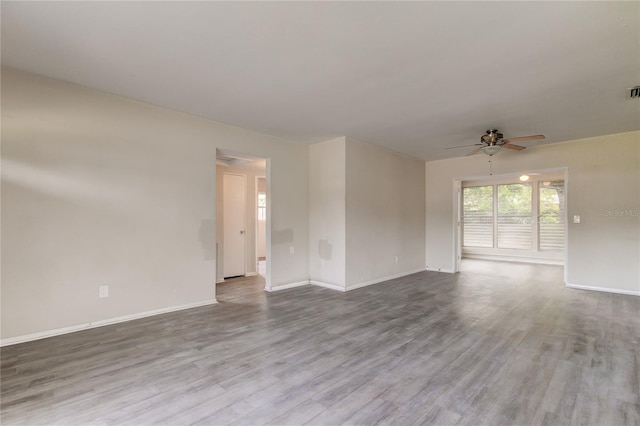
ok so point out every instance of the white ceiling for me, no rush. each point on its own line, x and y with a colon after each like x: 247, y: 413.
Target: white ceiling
x: 415, y: 77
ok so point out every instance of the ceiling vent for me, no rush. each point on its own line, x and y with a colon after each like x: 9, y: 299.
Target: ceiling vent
x: 634, y: 92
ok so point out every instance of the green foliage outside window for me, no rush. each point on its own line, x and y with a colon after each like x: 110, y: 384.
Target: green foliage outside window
x: 551, y: 196
x: 514, y: 219
x: 514, y: 199
x: 478, y: 200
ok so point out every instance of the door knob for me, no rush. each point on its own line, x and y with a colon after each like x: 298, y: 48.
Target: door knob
x: 242, y: 232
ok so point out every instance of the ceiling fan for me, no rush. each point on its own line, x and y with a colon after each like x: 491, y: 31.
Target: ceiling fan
x: 493, y: 141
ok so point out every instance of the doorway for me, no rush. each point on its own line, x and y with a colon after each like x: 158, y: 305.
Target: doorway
x: 240, y: 179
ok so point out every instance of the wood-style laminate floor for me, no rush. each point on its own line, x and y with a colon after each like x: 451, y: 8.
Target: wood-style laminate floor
x: 495, y: 344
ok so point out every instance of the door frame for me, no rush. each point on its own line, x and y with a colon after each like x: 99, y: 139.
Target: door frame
x: 267, y: 175
x: 457, y: 224
x: 255, y: 216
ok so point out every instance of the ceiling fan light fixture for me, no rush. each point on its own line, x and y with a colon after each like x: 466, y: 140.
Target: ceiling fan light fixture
x: 491, y: 150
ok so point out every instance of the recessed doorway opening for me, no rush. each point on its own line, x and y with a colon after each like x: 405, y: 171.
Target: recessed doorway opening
x: 513, y: 218
x: 242, y: 220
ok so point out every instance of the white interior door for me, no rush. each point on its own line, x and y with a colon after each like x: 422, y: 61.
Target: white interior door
x: 234, y: 216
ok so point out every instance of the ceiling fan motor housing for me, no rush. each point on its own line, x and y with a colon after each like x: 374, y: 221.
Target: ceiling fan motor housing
x: 492, y: 137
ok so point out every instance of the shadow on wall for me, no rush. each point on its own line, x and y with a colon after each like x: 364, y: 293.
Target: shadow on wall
x: 325, y: 249
x: 206, y: 235
x: 282, y: 236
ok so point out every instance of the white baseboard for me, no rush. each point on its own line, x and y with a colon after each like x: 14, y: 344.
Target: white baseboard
x: 101, y: 323
x: 286, y: 286
x: 387, y: 278
x: 250, y: 274
x: 447, y: 271
x: 327, y: 285
x: 603, y: 289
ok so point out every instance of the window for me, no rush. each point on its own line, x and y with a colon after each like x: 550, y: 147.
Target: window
x: 477, y: 216
x: 262, y: 206
x: 514, y: 217
x: 551, y: 216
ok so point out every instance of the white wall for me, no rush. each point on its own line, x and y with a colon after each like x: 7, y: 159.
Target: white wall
x: 385, y: 214
x: 366, y: 208
x: 603, y: 251
x: 220, y: 223
x: 327, y: 192
x: 101, y: 190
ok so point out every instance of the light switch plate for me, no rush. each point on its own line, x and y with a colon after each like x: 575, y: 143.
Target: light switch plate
x: 576, y: 218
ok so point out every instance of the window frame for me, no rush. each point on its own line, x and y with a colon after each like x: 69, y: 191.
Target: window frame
x: 533, y: 254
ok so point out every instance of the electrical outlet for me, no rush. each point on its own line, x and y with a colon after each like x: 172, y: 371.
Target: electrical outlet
x: 103, y: 291
x: 396, y: 259
x: 291, y: 250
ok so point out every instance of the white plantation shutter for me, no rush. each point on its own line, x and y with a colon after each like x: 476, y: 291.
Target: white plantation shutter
x: 527, y: 217
x: 478, y: 230
x: 515, y: 230
x: 551, y: 217
x: 477, y: 216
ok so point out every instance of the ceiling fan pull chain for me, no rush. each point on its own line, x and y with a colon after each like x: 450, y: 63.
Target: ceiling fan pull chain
x: 490, y: 167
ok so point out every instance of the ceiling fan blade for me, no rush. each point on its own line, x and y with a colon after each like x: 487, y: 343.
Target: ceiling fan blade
x: 464, y: 146
x: 512, y: 146
x: 524, y: 138
x: 474, y: 152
